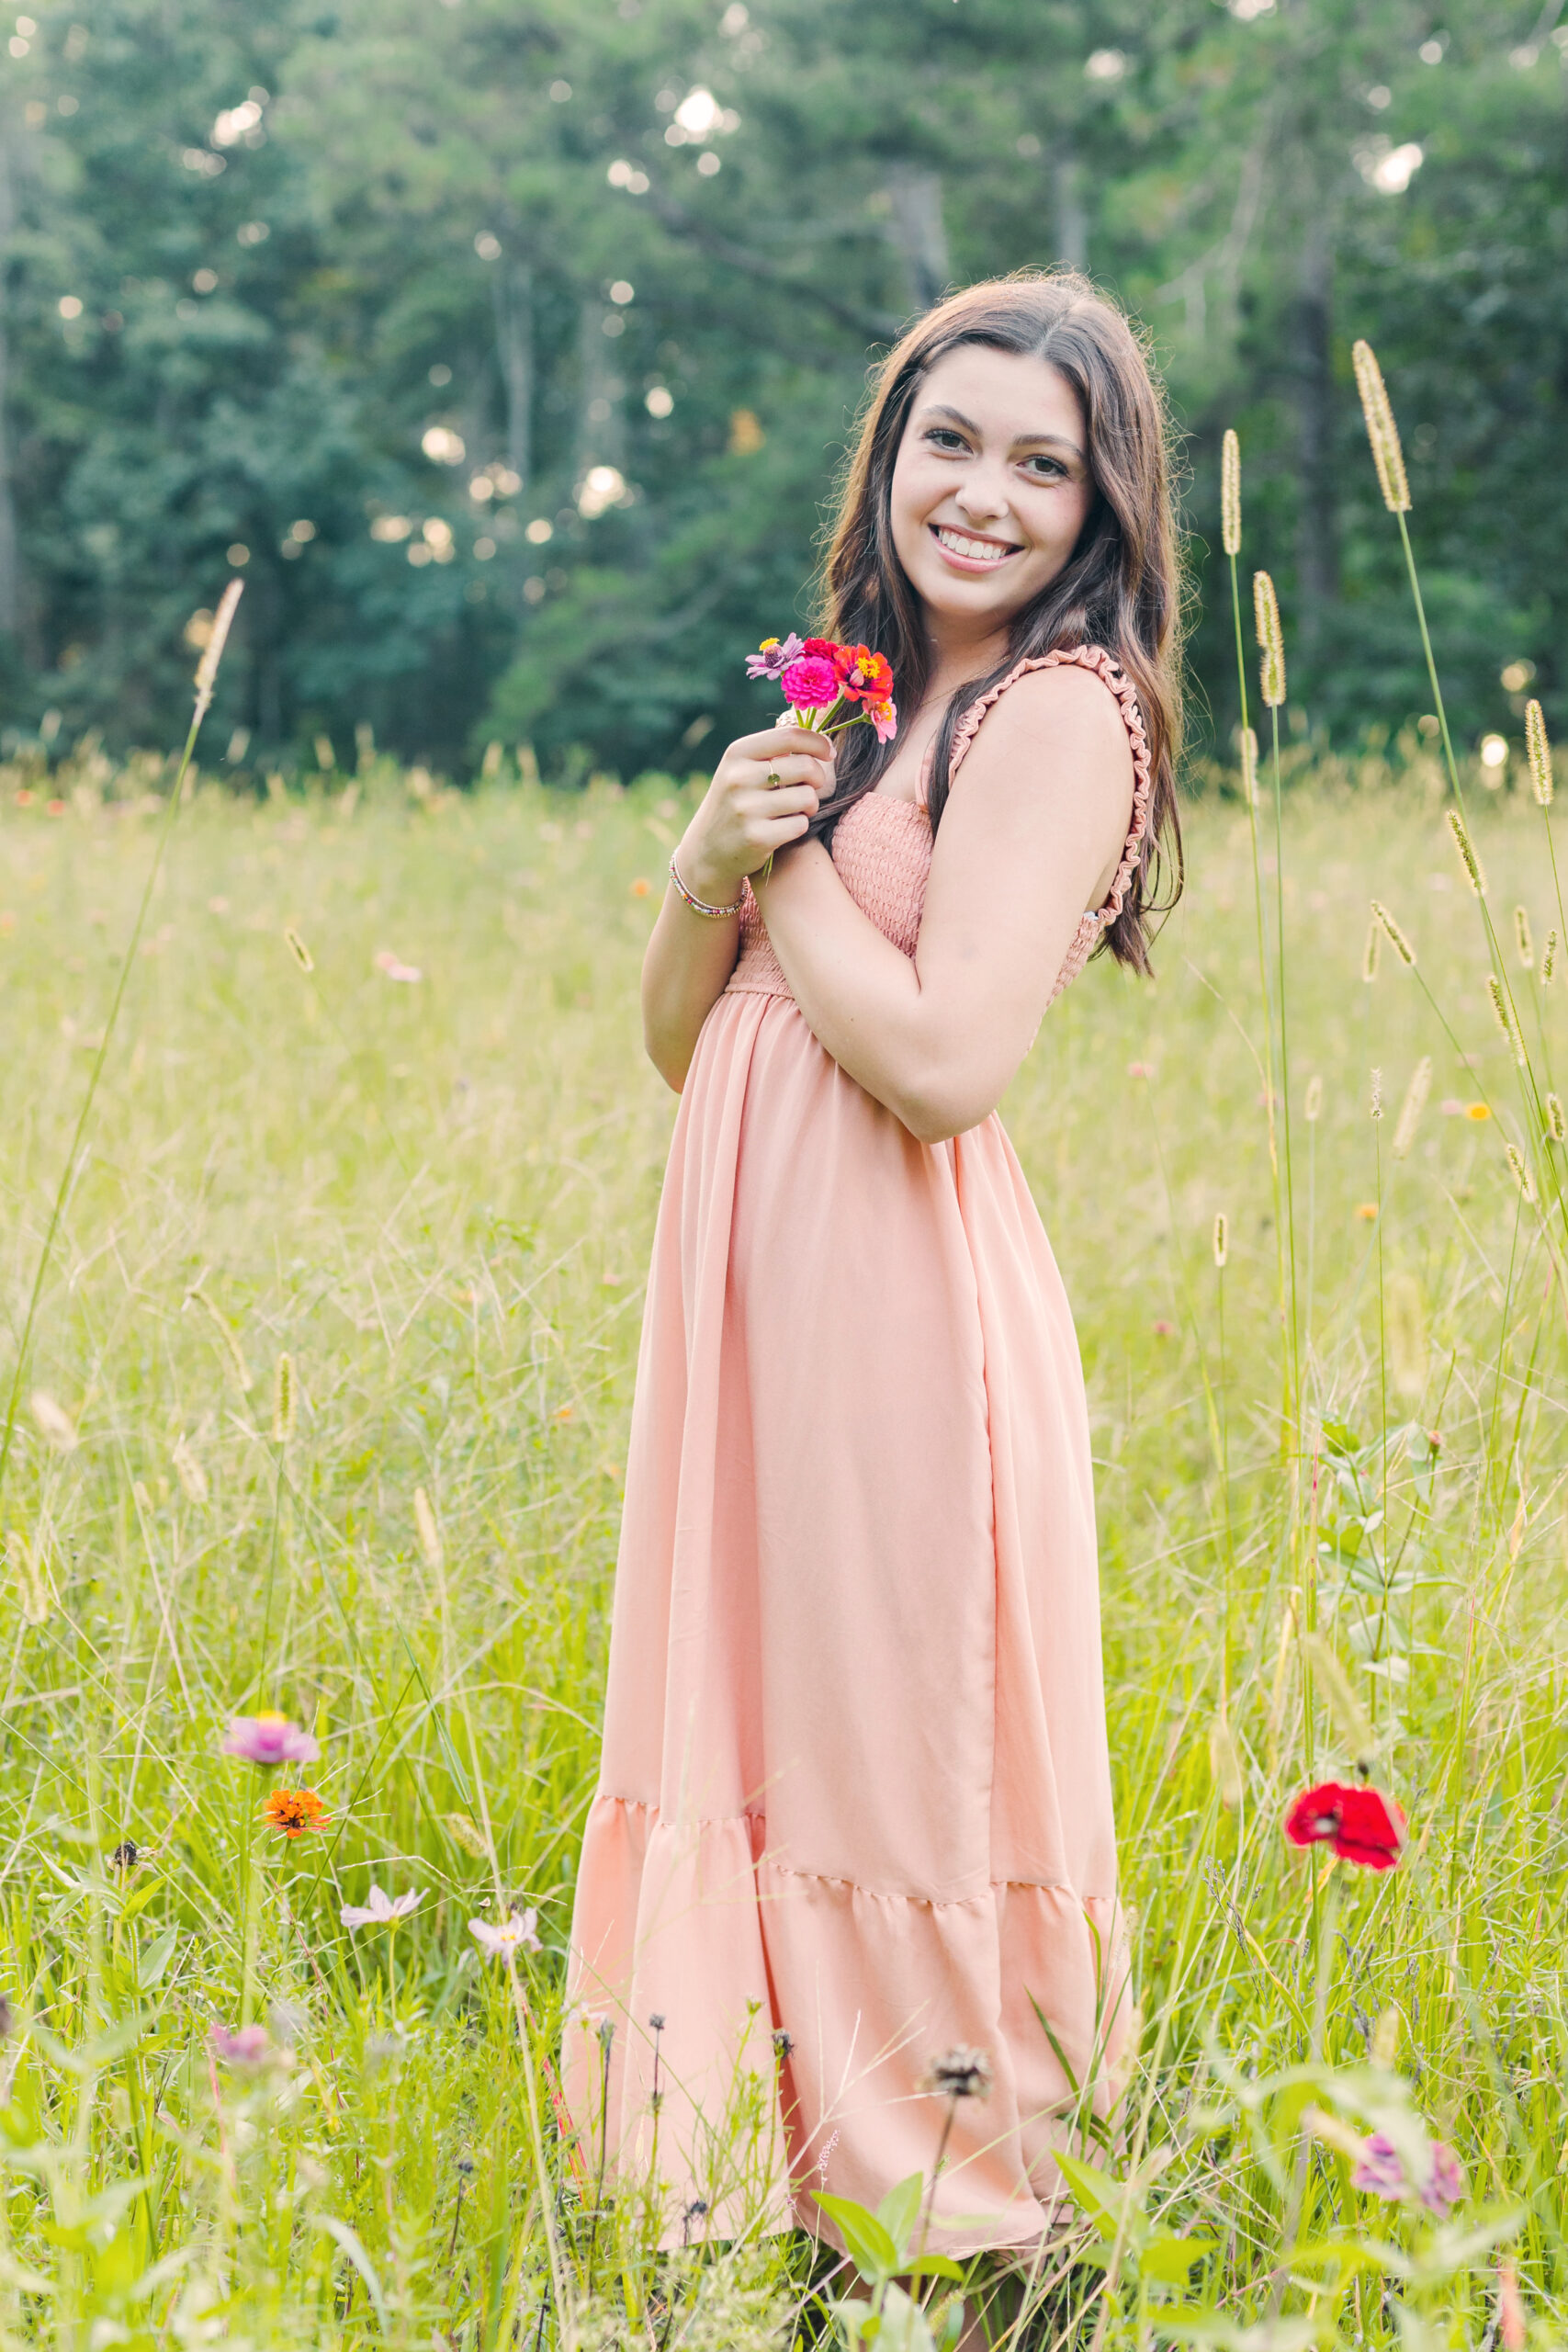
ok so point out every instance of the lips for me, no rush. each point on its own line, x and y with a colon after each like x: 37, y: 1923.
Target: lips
x: 966, y: 547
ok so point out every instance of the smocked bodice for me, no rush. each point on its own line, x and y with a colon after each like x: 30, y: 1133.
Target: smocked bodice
x: 881, y: 847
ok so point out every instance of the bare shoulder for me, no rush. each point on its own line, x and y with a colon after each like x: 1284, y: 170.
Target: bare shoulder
x: 1065, y: 719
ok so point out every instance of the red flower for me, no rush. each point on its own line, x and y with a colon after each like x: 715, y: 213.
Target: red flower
x: 866, y: 676
x: 1361, y: 1825
x: 822, y: 649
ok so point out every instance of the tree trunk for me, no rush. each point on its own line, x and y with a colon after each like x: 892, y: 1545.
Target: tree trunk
x: 1311, y: 327
x: 915, y: 228
x: 514, y: 350
x: 10, y: 579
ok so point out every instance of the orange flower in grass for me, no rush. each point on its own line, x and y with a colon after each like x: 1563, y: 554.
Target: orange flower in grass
x: 294, y: 1811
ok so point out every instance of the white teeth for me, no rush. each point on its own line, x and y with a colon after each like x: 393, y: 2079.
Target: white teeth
x: 977, y: 551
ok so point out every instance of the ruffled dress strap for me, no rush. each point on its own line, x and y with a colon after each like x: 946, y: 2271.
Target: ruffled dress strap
x: 1105, y: 667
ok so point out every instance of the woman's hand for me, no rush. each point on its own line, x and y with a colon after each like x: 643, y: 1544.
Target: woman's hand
x: 764, y: 793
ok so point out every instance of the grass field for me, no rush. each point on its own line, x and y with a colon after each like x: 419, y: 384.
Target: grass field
x: 433, y: 1196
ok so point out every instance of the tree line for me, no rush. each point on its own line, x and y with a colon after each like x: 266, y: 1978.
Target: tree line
x: 510, y: 347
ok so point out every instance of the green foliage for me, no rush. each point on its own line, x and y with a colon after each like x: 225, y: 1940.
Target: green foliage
x: 416, y: 235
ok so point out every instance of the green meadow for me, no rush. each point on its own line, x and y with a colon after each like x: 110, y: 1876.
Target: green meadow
x: 1330, y: 1480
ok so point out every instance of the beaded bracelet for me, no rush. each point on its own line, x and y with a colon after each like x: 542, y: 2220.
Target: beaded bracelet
x: 713, y: 914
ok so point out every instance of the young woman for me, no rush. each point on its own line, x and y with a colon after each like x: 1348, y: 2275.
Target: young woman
x: 855, y: 1793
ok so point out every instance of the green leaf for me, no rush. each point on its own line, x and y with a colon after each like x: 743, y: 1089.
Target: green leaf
x: 1171, y: 2259
x: 152, y: 1964
x: 900, y: 2210
x: 871, y: 2249
x: 933, y: 2266
x: 1105, y: 2200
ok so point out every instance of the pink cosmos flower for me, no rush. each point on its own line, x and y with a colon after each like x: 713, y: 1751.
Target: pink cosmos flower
x: 381, y: 1910
x: 270, y: 1739
x: 810, y: 683
x: 395, y: 968
x: 514, y: 1934
x: 1380, y: 2173
x: 774, y: 657
x: 246, y: 2045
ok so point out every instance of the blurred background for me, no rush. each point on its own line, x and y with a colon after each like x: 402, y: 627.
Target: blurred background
x: 510, y: 347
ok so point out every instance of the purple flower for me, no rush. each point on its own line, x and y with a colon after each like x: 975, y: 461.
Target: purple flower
x: 775, y: 657
x: 246, y: 2045
x: 270, y: 1739
x: 514, y: 1934
x: 1381, y: 2173
x: 381, y: 1910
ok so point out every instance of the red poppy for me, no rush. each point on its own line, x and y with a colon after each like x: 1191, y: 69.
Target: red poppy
x: 1361, y: 1825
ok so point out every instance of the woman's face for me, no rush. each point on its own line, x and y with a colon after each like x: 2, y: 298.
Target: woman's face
x: 991, y: 487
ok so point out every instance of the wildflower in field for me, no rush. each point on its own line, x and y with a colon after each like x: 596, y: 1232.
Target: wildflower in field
x: 1367, y: 1211
x: 517, y: 1932
x: 1538, y: 752
x: 381, y: 1910
x: 1271, y: 640
x: 1140, y: 1070
x: 958, y: 2073
x: 24, y: 798
x: 1381, y: 2173
x: 1162, y: 1329
x: 1451, y: 1107
x: 1230, y: 493
x: 774, y: 656
x: 246, y: 2045
x: 395, y: 968
x: 294, y: 1811
x: 641, y: 887
x: 1475, y: 872
x: 1513, y: 2326
x: 1361, y: 1825
x: 54, y: 808
x: 1477, y: 1111
x: 270, y: 1739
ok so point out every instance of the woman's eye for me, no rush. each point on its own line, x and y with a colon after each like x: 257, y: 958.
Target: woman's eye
x: 1047, y: 469
x: 944, y: 438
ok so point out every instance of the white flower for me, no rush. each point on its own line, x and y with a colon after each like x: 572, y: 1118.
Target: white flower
x: 381, y: 1910
x: 514, y: 1934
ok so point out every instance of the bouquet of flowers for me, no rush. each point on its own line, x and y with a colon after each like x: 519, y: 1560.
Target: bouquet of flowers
x: 818, y: 678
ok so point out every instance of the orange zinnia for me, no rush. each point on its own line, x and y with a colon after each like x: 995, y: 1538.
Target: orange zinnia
x: 294, y: 1811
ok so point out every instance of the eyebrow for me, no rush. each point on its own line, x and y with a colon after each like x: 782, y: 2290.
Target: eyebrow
x: 1057, y: 440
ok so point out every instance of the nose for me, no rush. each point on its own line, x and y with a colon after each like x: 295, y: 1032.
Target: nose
x: 983, y: 493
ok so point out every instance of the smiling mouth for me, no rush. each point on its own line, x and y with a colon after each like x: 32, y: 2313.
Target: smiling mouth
x: 970, y: 549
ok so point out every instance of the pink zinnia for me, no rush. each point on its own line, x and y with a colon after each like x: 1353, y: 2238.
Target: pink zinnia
x: 810, y: 683
x: 270, y: 1739
x: 884, y: 716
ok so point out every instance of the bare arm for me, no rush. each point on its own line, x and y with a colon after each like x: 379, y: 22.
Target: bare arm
x: 763, y: 794
x: 1031, y: 837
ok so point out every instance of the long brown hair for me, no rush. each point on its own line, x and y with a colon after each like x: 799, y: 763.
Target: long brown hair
x: 1121, y: 588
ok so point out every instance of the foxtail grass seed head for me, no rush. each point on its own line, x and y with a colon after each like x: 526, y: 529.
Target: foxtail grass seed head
x: 1549, y: 958
x: 189, y: 1472
x: 1475, y: 872
x: 1374, y: 1106
x: 1520, y: 1171
x: 1538, y: 752
x: 1249, y: 767
x: 1397, y: 940
x: 1522, y: 939
x: 1313, y: 1102
x: 299, y: 951
x: 225, y: 1332
x: 285, y: 1400
x: 1373, y: 951
x: 1415, y: 1102
x: 1556, y: 1127
x: 1230, y: 493
x: 1381, y: 431
x: 1271, y: 640
x: 212, y: 651
x: 429, y: 1534
x: 1507, y: 1018
x: 1221, y: 1239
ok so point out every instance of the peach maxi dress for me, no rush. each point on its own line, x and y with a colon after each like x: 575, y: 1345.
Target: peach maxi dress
x: 855, y: 1785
